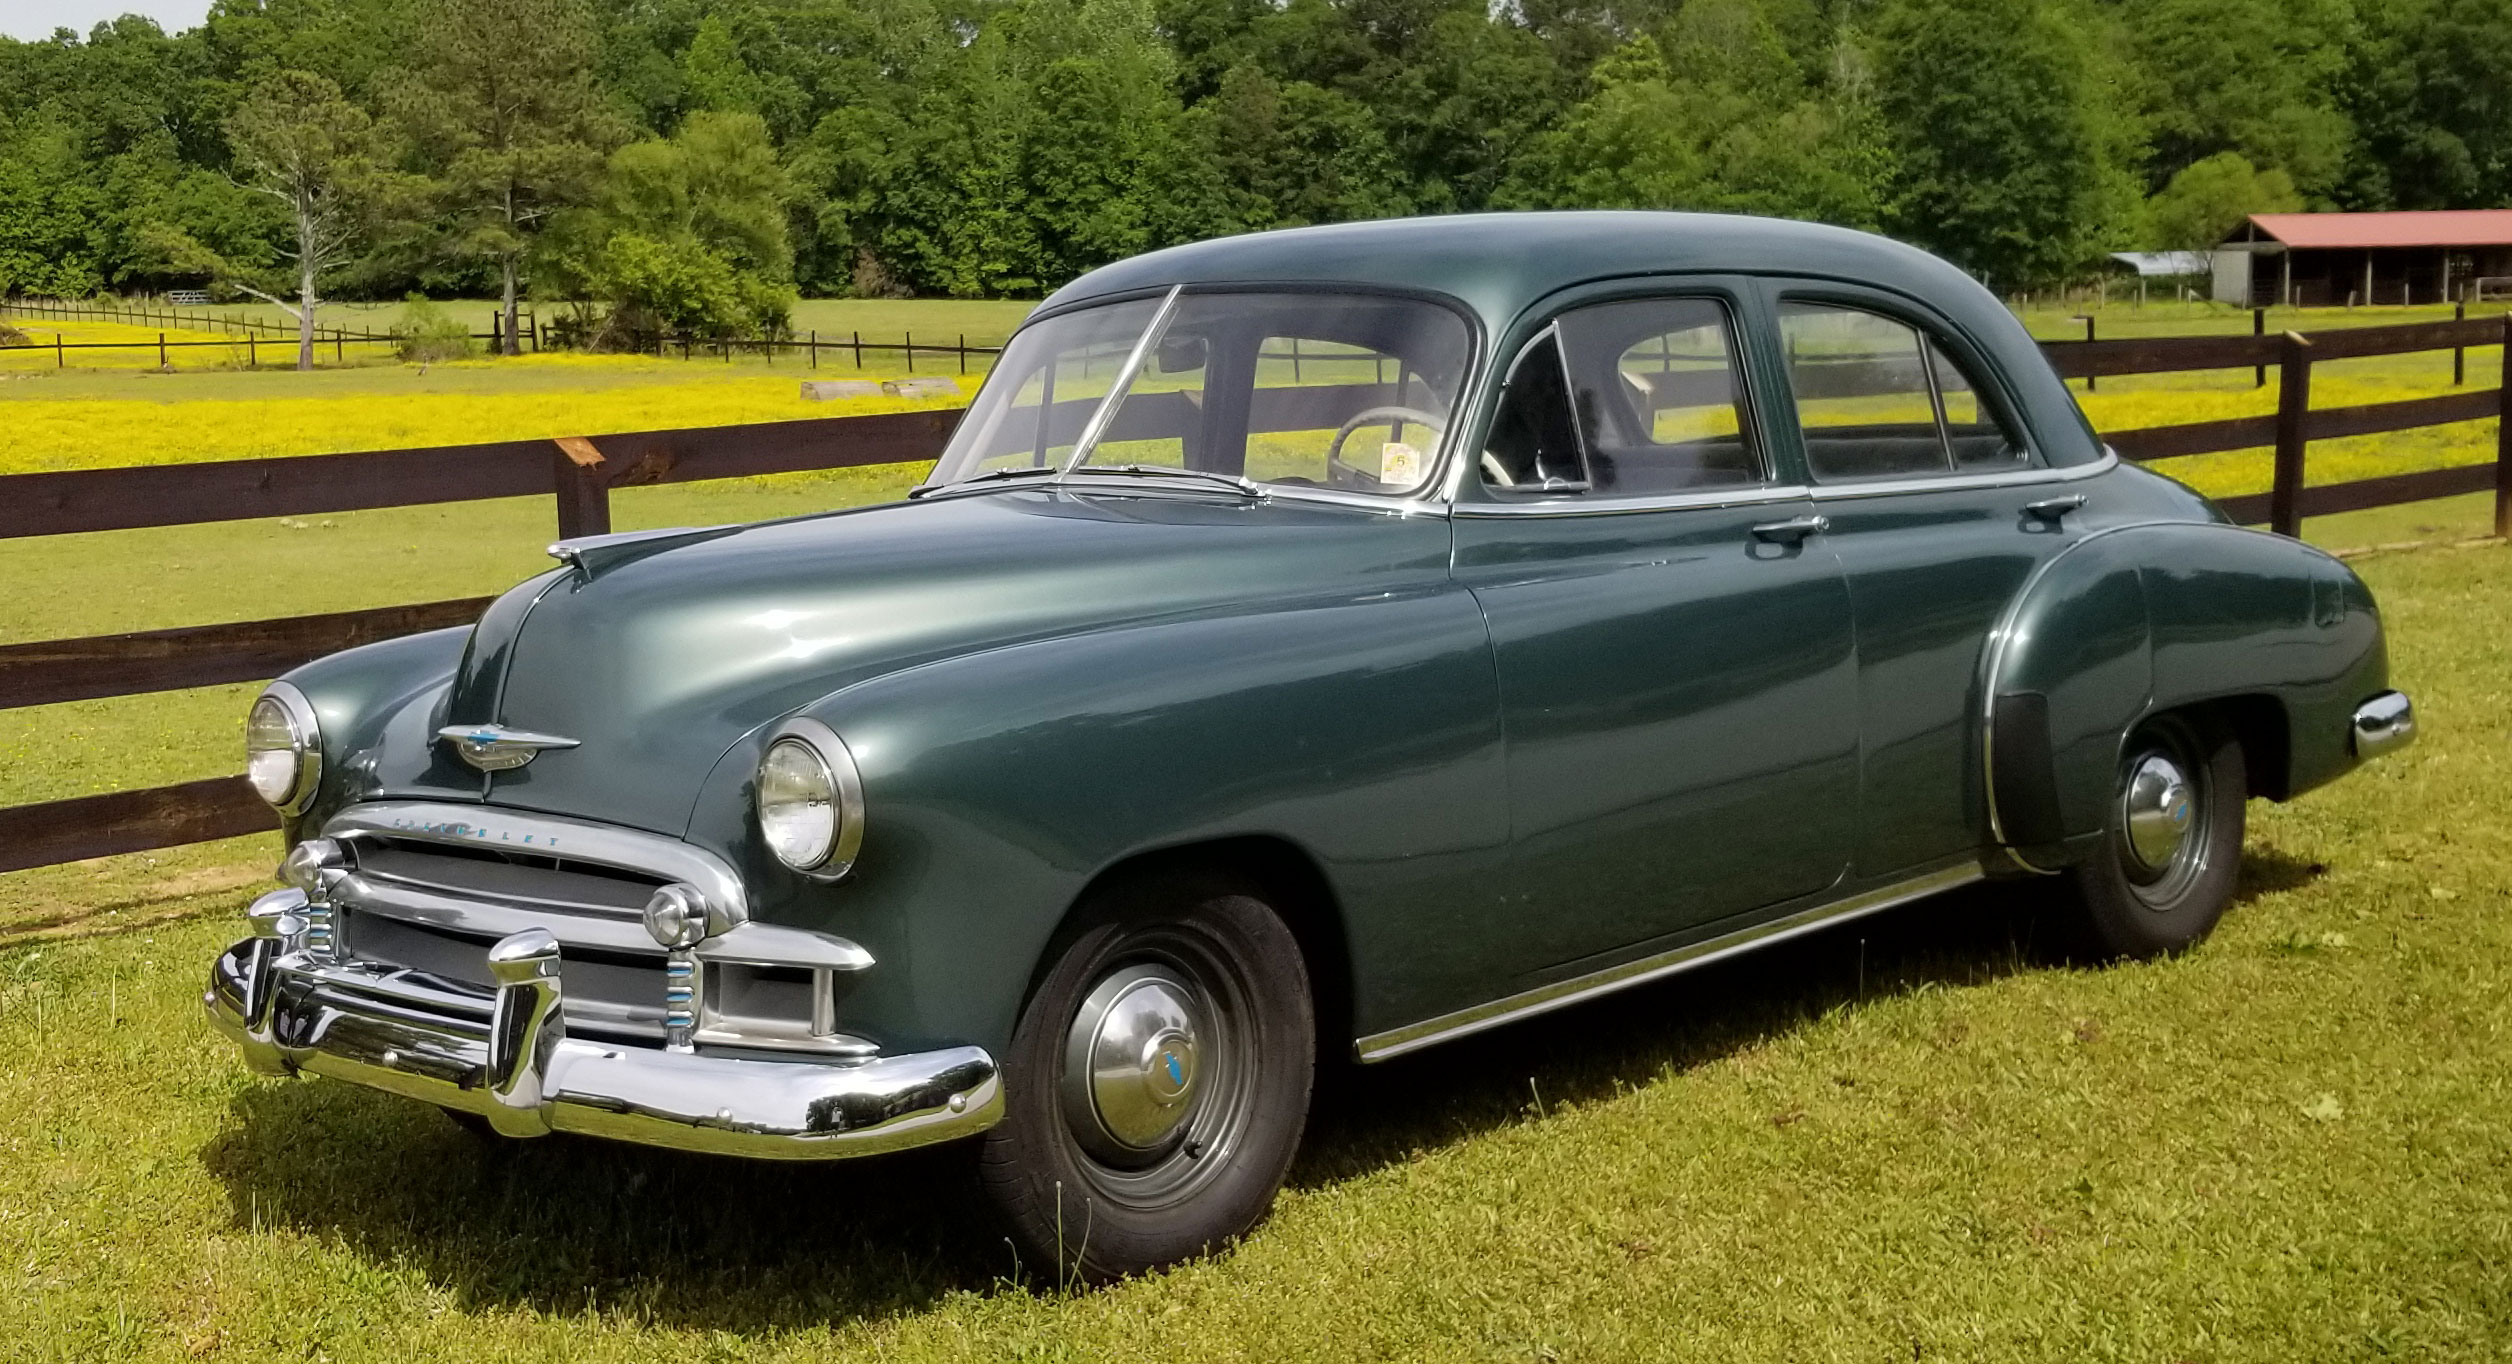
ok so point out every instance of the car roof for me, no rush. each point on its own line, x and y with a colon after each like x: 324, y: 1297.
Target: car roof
x: 1500, y: 263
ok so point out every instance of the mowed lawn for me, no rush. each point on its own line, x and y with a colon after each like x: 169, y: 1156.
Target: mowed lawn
x: 1908, y: 1138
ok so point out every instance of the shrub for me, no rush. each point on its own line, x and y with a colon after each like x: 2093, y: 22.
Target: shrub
x: 428, y: 333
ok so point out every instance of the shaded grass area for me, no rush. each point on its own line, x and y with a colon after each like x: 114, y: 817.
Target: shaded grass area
x: 1910, y: 1137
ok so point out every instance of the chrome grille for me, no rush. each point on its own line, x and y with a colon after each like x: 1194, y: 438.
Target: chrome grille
x: 520, y: 879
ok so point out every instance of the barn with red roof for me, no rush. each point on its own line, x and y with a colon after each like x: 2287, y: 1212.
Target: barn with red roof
x: 2321, y: 260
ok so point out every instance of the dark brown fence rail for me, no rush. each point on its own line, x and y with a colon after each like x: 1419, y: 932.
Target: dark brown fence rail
x: 578, y: 474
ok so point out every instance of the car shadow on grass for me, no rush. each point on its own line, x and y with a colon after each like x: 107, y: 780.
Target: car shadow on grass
x: 565, y: 1225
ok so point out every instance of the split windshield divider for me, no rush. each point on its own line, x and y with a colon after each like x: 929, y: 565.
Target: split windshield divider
x: 1106, y: 411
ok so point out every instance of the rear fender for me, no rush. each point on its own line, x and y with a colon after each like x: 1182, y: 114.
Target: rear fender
x: 2279, y: 637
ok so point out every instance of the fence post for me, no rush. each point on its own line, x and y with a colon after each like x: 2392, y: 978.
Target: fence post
x: 2285, y: 514
x: 859, y: 348
x: 161, y: 351
x: 815, y: 348
x: 911, y: 352
x: 58, y: 361
x: 2503, y: 439
x: 252, y: 350
x: 2259, y: 327
x: 584, y: 497
x: 2088, y: 340
x: 963, y: 352
x: 2459, y: 354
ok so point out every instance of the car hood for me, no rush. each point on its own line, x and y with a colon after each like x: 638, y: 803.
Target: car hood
x: 660, y: 657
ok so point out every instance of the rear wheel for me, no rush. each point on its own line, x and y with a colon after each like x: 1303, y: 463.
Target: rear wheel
x: 2173, y: 847
x: 1158, y: 1081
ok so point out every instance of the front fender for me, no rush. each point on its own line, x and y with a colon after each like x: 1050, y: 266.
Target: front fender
x: 1362, y: 730
x: 2138, y: 620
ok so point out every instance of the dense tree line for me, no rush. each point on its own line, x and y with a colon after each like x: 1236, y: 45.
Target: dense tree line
x: 694, y: 162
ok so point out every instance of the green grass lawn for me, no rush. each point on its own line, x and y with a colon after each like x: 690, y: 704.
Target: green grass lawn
x: 1907, y: 1138
x: 940, y: 320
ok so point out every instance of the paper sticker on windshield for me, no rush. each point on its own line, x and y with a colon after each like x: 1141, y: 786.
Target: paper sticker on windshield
x: 1399, y: 464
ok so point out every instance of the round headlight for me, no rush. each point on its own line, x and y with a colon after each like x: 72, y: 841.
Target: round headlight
x: 283, y: 752
x: 810, y: 800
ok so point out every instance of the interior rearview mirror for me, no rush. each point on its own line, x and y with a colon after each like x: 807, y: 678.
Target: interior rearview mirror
x: 1183, y: 354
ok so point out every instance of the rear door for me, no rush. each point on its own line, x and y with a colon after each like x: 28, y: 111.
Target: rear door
x: 1939, y: 509
x: 1671, y: 633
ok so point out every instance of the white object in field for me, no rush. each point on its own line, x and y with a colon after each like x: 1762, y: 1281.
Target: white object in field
x: 920, y: 388
x: 827, y: 390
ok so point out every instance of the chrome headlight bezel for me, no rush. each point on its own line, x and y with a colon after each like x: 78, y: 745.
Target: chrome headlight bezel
x: 831, y: 857
x: 304, y: 747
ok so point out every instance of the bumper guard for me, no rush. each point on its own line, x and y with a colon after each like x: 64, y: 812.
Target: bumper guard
x: 504, y: 1054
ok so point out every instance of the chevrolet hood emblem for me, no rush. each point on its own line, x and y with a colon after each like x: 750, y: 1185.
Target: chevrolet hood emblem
x: 495, y: 748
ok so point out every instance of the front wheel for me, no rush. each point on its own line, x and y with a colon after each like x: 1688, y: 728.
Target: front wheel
x: 1158, y: 1081
x: 2173, y: 847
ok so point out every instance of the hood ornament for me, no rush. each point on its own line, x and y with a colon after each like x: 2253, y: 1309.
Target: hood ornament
x: 495, y: 748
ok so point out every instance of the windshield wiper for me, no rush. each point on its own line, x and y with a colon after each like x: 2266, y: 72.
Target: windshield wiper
x: 1247, y: 486
x: 990, y: 475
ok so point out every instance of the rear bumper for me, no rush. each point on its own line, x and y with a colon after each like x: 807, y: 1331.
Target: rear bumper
x: 504, y: 1054
x: 2384, y: 724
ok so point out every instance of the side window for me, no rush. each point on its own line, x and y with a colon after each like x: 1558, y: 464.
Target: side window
x: 1654, y: 384
x: 1534, y: 442
x: 1981, y: 442
x: 1626, y: 399
x: 1876, y: 400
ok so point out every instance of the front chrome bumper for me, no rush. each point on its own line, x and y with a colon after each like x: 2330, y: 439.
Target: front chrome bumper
x: 504, y: 1053
x: 2384, y: 724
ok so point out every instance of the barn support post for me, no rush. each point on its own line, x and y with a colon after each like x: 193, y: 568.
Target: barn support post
x: 2459, y: 354
x: 2285, y: 513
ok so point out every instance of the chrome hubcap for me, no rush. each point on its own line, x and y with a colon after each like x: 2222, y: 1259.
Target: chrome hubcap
x: 1131, y: 1063
x: 2158, y: 811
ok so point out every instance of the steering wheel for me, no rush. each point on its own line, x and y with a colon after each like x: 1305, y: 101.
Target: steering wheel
x: 1342, y: 475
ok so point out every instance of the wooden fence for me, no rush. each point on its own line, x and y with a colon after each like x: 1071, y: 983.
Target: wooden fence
x: 578, y: 475
x: 253, y: 334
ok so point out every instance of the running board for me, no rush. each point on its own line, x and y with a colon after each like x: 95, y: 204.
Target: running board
x: 1578, y: 989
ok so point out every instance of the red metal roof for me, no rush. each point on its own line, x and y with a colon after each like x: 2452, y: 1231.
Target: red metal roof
x: 2442, y: 227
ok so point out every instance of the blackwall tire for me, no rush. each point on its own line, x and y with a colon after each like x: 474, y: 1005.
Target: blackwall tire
x: 2134, y: 898
x: 1105, y: 1167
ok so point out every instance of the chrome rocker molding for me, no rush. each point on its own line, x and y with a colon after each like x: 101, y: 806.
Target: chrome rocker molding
x: 1564, y: 993
x: 503, y: 1053
x: 2384, y: 724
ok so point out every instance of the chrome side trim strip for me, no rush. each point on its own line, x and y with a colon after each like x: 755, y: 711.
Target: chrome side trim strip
x: 574, y: 840
x: 1562, y: 994
x: 1569, y: 505
x: 1966, y: 482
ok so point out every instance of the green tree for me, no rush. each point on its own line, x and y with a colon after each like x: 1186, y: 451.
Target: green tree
x: 2209, y: 199
x: 2257, y: 77
x: 502, y: 112
x: 689, y: 235
x: 298, y: 141
x: 2008, y: 161
x: 2431, y: 91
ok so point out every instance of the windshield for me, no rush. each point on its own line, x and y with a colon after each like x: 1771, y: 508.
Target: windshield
x: 1346, y: 391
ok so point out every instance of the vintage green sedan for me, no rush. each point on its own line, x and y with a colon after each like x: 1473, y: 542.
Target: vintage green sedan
x: 1314, y: 645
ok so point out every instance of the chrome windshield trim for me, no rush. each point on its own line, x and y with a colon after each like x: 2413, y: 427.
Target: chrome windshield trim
x: 1105, y: 413
x: 1562, y: 994
x: 1965, y: 482
x: 475, y: 826
x: 1571, y: 506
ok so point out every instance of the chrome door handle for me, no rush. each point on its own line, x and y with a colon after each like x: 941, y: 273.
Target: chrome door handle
x: 2052, y: 509
x: 1793, y: 529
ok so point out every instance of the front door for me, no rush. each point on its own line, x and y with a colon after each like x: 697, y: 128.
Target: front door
x: 1671, y: 633
x: 1939, y: 509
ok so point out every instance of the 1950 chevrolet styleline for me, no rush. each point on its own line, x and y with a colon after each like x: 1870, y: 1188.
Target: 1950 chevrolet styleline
x: 1341, y: 639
